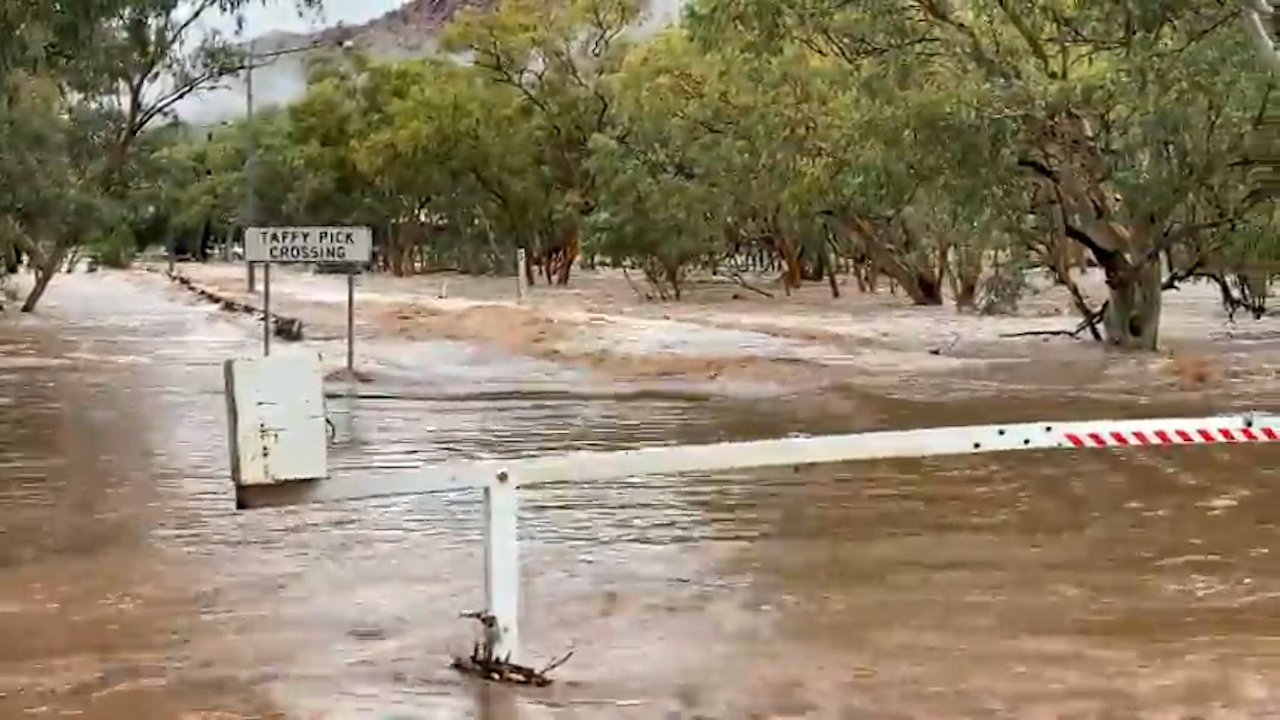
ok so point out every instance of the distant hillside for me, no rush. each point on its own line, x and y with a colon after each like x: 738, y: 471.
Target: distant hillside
x: 407, y: 32
x: 401, y: 34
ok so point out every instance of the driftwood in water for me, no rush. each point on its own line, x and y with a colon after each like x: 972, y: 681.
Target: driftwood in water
x: 289, y: 329
x: 482, y: 663
x: 1089, y: 323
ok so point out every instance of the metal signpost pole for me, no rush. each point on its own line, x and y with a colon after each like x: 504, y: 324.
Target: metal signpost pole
x: 250, y: 161
x: 351, y: 318
x: 266, y: 308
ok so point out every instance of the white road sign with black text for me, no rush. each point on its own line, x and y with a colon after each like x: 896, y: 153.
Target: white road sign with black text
x: 308, y: 244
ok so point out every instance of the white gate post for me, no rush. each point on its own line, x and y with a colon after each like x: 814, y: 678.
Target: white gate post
x: 502, y: 567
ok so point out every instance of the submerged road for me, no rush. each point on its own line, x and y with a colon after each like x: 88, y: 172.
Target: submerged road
x: 1135, y: 584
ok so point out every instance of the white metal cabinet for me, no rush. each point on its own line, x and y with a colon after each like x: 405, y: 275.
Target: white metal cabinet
x: 276, y: 420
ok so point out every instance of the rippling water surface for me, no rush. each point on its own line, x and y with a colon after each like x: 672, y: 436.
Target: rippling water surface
x: 1049, y: 585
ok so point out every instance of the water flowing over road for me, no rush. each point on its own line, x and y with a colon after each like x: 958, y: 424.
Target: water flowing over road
x: 1039, y: 585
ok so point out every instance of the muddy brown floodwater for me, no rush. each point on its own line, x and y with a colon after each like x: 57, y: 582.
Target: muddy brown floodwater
x: 1045, y: 585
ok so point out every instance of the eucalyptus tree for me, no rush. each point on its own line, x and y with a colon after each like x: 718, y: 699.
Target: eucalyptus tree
x: 557, y: 56
x: 662, y: 201
x: 466, y: 151
x: 1130, y: 123
x: 105, y: 73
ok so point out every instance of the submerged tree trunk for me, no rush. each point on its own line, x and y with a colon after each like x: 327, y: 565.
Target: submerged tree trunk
x: 966, y: 290
x: 45, y: 268
x: 922, y: 287
x: 827, y: 262
x: 1254, y: 287
x: 965, y: 272
x: 1132, y: 317
x: 571, y: 251
x: 12, y: 259
x: 921, y: 274
x: 792, y: 273
x: 1066, y: 158
x: 529, y: 276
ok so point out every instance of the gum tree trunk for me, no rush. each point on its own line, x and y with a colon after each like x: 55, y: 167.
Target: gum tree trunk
x: 44, y: 269
x: 1132, y: 318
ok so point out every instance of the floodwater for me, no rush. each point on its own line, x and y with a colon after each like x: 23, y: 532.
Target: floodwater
x: 1045, y: 585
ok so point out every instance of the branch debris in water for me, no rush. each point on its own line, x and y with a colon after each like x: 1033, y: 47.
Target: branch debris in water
x: 485, y: 665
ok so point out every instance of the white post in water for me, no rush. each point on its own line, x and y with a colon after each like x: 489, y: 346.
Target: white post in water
x: 520, y: 278
x: 501, y: 480
x: 502, y: 567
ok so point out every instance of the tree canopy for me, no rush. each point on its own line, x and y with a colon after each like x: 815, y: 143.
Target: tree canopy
x: 87, y: 92
x: 947, y: 145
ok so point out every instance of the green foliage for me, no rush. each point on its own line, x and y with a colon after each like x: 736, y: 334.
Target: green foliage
x: 1125, y: 127
x: 86, y: 89
x: 945, y: 143
x: 115, y: 249
x: 48, y: 168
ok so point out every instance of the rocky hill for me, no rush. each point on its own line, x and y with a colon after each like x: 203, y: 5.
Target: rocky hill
x: 407, y: 32
x: 411, y: 30
x: 400, y: 34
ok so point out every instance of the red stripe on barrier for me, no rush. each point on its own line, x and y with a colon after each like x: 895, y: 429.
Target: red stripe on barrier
x: 1109, y: 438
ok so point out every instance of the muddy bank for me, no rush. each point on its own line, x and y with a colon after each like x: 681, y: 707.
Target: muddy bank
x: 807, y: 343
x: 285, y: 327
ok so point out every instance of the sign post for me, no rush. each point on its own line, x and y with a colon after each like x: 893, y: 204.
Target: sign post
x: 266, y: 309
x: 351, y: 319
x: 349, y: 246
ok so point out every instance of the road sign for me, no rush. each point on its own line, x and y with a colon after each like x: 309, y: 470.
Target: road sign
x: 318, y: 244
x: 308, y: 244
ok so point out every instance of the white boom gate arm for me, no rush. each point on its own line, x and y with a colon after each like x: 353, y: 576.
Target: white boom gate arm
x: 500, y: 479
